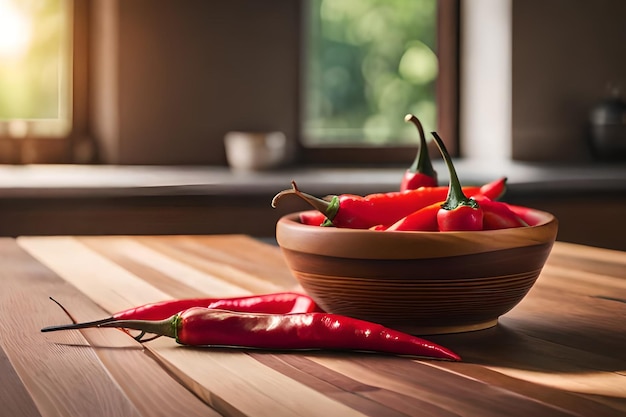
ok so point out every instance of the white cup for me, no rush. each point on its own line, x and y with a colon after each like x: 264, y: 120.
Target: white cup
x: 255, y: 151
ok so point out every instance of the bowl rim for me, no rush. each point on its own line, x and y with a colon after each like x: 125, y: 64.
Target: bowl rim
x: 293, y: 235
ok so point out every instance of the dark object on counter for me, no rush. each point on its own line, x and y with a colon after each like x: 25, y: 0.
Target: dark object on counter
x: 608, y: 128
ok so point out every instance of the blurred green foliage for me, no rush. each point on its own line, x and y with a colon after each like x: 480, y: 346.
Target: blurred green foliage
x: 368, y: 63
x: 31, y: 67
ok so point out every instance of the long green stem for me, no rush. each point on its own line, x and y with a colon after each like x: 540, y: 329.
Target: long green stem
x: 328, y: 208
x: 422, y: 162
x: 456, y: 197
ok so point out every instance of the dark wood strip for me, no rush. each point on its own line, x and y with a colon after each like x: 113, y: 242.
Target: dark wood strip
x: 510, y: 349
x: 14, y: 398
x: 407, y: 385
x: 361, y: 397
x: 582, y: 405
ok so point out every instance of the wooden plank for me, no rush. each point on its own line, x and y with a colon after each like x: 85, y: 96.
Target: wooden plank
x: 232, y: 382
x: 14, y: 397
x: 432, y: 383
x: 62, y: 378
x: 507, y: 349
x: 586, y: 323
x: 372, y: 398
x: 148, y: 262
x: 589, y: 259
x: 537, y: 361
x: 251, y: 264
x: 95, y: 276
x: 119, y: 361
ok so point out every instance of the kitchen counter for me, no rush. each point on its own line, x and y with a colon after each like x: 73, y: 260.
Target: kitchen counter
x: 589, y: 200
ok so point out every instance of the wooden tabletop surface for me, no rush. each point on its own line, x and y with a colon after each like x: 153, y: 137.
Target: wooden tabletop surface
x: 560, y: 352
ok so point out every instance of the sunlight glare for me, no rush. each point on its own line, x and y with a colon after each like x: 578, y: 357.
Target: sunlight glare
x: 15, y: 31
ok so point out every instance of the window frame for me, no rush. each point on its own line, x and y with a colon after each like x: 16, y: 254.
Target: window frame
x: 37, y: 148
x: 447, y: 98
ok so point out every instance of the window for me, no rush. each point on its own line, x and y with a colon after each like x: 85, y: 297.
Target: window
x: 35, y: 67
x: 368, y: 63
x: 38, y: 92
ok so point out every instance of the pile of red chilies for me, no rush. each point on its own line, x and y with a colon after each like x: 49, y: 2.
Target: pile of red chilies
x: 420, y: 205
x: 279, y: 321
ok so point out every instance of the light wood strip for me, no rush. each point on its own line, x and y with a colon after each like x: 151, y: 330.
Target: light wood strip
x: 570, y: 279
x: 586, y: 258
x: 575, y: 251
x: 159, y: 280
x: 236, y: 384
x: 109, y: 285
x: 235, y: 258
x: 176, y: 269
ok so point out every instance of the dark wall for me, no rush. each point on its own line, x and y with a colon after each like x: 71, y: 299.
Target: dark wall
x: 189, y: 71
x: 565, y: 54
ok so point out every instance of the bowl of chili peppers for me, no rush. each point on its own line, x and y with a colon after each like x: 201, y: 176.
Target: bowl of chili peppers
x: 428, y: 260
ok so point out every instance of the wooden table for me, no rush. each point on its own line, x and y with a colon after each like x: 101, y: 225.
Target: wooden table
x: 560, y: 352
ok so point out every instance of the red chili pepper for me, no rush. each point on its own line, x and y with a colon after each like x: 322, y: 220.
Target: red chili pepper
x: 531, y: 217
x: 312, y: 217
x: 493, y: 190
x: 275, y: 303
x: 207, y: 327
x: 498, y: 215
x: 424, y: 219
x: 421, y: 173
x: 358, y: 212
x: 458, y: 212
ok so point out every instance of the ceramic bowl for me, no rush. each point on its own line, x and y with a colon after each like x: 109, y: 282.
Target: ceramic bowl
x: 417, y: 282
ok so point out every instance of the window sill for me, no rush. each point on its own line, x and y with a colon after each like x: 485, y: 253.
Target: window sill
x: 524, y: 179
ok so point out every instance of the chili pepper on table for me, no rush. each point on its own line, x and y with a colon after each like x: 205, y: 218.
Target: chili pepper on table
x: 421, y: 173
x: 364, y: 212
x: 199, y: 326
x: 458, y: 212
x: 277, y: 303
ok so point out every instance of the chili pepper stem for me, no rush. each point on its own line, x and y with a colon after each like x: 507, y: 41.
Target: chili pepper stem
x: 456, y: 197
x: 83, y: 325
x: 422, y: 162
x: 167, y: 327
x: 328, y: 208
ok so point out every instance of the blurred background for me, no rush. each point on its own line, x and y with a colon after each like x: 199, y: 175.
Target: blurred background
x: 510, y: 85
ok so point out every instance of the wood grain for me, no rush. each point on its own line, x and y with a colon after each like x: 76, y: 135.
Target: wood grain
x: 558, y: 353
